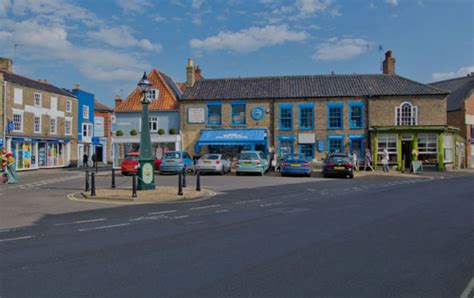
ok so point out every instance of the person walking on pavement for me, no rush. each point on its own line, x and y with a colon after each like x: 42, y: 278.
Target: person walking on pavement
x: 85, y: 160
x: 368, y: 160
x: 10, y: 169
x: 385, y: 158
x: 355, y: 161
x: 94, y: 160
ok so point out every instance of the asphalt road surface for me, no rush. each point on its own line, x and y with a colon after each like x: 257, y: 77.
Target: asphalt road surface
x: 259, y: 237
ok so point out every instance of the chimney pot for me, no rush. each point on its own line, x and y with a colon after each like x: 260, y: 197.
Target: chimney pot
x: 76, y: 86
x: 190, y: 75
x: 389, y: 63
x: 45, y: 81
x: 118, y: 100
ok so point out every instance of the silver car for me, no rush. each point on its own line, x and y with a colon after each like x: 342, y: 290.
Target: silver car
x: 213, y: 163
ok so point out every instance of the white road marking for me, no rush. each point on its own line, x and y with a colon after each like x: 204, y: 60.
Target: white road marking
x: 248, y: 201
x: 468, y: 289
x: 310, y: 189
x: 222, y: 211
x: 80, y: 222
x: 195, y: 222
x: 17, y: 238
x: 154, y: 217
x: 181, y: 216
x: 162, y: 212
x: 271, y: 204
x: 205, y: 207
x: 104, y: 227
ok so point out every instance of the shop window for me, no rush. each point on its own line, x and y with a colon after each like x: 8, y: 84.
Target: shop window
x: 406, y: 114
x: 85, y: 112
x: 307, y: 150
x: 428, y: 148
x: 356, y: 115
x: 335, y: 145
x: 17, y: 122
x: 37, y: 124
x: 68, y: 106
x: 53, y: 127
x: 390, y: 142
x: 18, y: 96
x: 286, y: 117
x: 153, y: 124
x: 335, y: 120
x: 238, y: 114
x: 214, y: 114
x: 286, y: 147
x: 68, y: 127
x: 306, y: 116
x: 37, y: 99
x: 357, y: 146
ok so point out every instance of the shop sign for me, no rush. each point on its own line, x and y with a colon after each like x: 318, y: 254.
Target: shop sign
x: 196, y: 115
x: 306, y: 138
x: 407, y: 137
x: 257, y: 113
x: 232, y: 136
x: 321, y: 145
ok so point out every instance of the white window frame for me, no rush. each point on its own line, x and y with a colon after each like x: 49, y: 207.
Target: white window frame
x: 87, y: 129
x: 55, y: 121
x: 20, y: 114
x: 67, y: 131
x: 386, y: 139
x: 54, y: 103
x: 448, y: 147
x: 39, y: 123
x: 18, y: 96
x: 68, y: 106
x: 153, y: 94
x: 85, y: 111
x: 427, y: 138
x: 400, y: 119
x: 38, y: 97
x: 153, y: 121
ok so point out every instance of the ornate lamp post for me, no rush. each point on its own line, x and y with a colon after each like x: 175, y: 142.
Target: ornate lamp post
x: 146, y: 175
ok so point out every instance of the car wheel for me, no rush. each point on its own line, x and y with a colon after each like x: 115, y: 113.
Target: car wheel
x: 351, y: 176
x: 237, y: 174
x: 222, y: 172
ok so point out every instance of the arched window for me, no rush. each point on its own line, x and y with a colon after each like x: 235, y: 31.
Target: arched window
x: 406, y: 114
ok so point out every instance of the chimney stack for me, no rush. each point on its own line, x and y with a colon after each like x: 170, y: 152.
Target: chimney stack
x: 45, y: 81
x: 190, y: 76
x: 6, y: 64
x: 197, y: 73
x: 389, y: 63
x: 118, y: 100
x: 76, y: 87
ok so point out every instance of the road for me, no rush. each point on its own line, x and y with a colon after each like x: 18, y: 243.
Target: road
x: 259, y: 237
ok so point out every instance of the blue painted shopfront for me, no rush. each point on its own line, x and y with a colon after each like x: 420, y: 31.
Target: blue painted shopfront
x: 232, y: 141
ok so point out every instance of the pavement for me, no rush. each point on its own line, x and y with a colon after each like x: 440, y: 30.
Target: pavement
x: 372, y: 236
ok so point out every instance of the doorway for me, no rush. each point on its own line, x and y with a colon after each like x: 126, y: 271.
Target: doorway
x: 99, y: 153
x: 406, y: 153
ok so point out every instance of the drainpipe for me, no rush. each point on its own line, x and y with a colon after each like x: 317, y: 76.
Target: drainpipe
x: 4, y: 114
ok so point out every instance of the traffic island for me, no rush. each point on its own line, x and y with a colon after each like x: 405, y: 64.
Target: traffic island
x: 162, y: 194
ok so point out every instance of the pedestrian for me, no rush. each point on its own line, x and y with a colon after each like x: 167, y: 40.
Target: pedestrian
x: 4, y: 162
x: 355, y: 162
x: 94, y: 160
x: 385, y: 159
x: 12, y: 178
x: 85, y: 160
x: 368, y: 160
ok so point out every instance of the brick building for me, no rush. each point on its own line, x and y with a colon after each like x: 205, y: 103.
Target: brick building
x: 315, y: 115
x: 103, y: 131
x: 39, y: 121
x: 460, y: 107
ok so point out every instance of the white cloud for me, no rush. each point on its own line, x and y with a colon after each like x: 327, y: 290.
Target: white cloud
x: 392, y: 2
x: 463, y: 71
x: 196, y: 4
x: 248, y: 40
x: 341, y: 48
x: 4, y: 5
x: 122, y: 37
x: 310, y: 7
x: 134, y: 6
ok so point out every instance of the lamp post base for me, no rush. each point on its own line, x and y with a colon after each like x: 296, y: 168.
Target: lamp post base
x: 146, y: 175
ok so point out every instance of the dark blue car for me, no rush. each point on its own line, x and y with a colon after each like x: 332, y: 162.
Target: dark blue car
x: 296, y: 164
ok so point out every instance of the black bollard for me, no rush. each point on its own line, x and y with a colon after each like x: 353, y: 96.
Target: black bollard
x: 198, y: 180
x: 87, y: 181
x: 134, y: 185
x: 113, y: 178
x: 92, y: 184
x: 184, y: 177
x: 180, y: 184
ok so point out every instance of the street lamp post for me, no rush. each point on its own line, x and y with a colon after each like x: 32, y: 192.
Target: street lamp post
x: 146, y: 175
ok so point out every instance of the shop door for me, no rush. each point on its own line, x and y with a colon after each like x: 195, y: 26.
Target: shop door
x: 406, y: 153
x: 99, y: 151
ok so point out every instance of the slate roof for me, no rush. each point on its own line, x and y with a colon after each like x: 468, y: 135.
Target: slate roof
x: 167, y: 99
x: 459, y: 89
x: 99, y: 107
x: 307, y: 86
x: 27, y: 82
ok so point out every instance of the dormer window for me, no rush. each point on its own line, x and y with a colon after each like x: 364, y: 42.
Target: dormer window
x: 406, y: 114
x: 152, y: 94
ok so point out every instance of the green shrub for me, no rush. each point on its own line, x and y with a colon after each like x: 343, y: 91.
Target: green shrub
x: 172, y: 131
x: 119, y: 133
x: 161, y: 131
x: 133, y: 132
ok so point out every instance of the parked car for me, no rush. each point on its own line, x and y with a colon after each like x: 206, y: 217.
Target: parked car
x: 175, y: 161
x: 252, y: 162
x: 213, y: 163
x: 296, y: 164
x: 130, y: 163
x: 337, y: 164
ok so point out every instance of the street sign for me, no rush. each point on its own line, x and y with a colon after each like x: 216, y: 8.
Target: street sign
x: 10, y: 126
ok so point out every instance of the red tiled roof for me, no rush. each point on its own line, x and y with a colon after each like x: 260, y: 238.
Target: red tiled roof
x: 166, y: 101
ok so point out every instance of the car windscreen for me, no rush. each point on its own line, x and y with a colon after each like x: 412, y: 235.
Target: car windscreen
x: 131, y: 157
x: 211, y: 156
x: 338, y: 159
x: 172, y: 155
x: 248, y: 156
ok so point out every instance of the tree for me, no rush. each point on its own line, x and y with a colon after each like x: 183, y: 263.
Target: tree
x: 119, y: 133
x: 133, y: 132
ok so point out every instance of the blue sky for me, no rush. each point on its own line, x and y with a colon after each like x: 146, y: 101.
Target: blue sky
x: 106, y: 45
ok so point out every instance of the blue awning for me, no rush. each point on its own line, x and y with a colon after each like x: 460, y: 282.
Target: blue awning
x: 232, y: 137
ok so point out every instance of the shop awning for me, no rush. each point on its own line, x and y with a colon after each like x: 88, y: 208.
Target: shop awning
x: 232, y: 137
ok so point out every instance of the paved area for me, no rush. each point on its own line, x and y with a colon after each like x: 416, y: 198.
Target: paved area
x: 373, y: 236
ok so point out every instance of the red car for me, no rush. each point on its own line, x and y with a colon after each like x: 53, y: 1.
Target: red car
x: 130, y: 163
